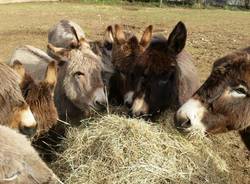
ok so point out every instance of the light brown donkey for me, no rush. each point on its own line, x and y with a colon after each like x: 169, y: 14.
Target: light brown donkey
x: 20, y: 163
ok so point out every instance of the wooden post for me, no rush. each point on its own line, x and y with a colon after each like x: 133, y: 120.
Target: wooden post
x: 160, y: 3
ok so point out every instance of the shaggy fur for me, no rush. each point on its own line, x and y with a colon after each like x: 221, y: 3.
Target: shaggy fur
x: 40, y: 96
x: 225, y: 112
x: 225, y: 96
x: 78, y: 80
x: 103, y: 48
x: 80, y: 85
x: 11, y: 100
x: 126, y: 49
x: 165, y: 75
x: 60, y: 35
x: 19, y: 162
x: 70, y: 70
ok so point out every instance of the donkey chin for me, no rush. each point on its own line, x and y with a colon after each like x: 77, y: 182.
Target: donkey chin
x: 140, y: 108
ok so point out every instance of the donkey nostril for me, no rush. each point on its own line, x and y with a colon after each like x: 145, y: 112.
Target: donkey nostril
x: 130, y: 113
x: 182, y: 122
x: 101, y: 104
x: 138, y: 114
x: 128, y: 105
x: 29, y: 131
x: 186, y: 124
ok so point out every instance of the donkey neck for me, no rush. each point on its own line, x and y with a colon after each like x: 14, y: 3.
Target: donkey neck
x: 188, y: 81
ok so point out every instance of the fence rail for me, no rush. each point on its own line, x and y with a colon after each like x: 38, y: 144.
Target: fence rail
x: 22, y: 1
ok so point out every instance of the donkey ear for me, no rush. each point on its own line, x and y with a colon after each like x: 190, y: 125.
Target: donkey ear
x: 58, y: 51
x: 177, y: 38
x: 147, y: 36
x: 51, y: 74
x: 119, y: 34
x: 19, y: 68
x: 55, y: 49
x: 108, y: 35
x: 108, y: 38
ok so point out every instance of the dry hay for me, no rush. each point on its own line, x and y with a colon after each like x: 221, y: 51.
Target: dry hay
x: 113, y: 149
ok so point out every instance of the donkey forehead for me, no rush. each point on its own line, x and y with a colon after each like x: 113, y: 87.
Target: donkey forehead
x: 157, y: 62
x: 84, y: 61
x: 236, y: 65
x: 235, y: 59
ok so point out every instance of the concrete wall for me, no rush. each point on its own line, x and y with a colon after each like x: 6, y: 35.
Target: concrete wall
x: 22, y: 1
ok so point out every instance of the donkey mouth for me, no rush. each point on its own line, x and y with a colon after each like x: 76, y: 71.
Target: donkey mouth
x: 182, y: 124
x: 98, y: 107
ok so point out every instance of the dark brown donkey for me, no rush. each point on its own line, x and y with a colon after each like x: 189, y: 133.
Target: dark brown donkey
x: 223, y: 102
x: 165, y: 75
x: 126, y: 48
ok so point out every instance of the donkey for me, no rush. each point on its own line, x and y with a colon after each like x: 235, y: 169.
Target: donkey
x: 76, y: 91
x: 15, y: 112
x: 82, y: 87
x: 126, y: 48
x: 61, y: 35
x: 103, y: 48
x: 19, y: 162
x: 164, y: 74
x: 39, y: 95
x: 79, y: 85
x: 222, y: 103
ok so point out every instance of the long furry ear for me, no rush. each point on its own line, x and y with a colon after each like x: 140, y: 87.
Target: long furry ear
x: 20, y: 70
x: 108, y: 35
x: 108, y: 38
x: 119, y: 34
x: 58, y: 52
x: 75, y: 33
x: 147, y: 36
x: 55, y: 49
x: 177, y: 38
x: 51, y: 74
x: 79, y: 41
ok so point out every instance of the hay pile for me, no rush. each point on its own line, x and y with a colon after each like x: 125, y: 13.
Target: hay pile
x: 113, y: 149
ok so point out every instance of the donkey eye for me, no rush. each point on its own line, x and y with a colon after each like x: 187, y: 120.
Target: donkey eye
x: 79, y: 74
x: 239, y: 91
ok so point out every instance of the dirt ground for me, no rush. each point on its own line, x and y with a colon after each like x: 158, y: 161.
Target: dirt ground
x: 211, y: 34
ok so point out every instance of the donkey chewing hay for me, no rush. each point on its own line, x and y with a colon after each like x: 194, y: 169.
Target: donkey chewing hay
x: 114, y: 149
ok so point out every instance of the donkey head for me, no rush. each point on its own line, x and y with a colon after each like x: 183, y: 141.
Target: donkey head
x: 222, y: 103
x: 156, y: 72
x: 80, y: 75
x: 39, y: 95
